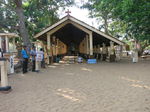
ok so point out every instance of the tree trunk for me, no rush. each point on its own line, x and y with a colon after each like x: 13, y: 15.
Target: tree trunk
x: 22, y: 28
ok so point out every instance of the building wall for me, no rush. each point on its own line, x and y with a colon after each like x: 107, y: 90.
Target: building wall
x: 83, y: 47
x: 61, y: 48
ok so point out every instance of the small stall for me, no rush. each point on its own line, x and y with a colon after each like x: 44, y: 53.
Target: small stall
x: 4, y: 42
x: 8, y: 51
x: 6, y: 59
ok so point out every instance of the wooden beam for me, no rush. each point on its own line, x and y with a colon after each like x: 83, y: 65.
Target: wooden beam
x: 96, y: 30
x: 51, y: 27
x: 57, y: 28
x: 80, y: 27
x: 9, y: 34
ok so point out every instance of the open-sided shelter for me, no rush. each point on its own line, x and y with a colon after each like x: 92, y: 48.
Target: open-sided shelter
x: 70, y: 36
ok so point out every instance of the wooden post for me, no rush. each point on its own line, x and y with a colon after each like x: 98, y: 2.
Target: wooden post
x: 57, y: 47
x: 104, y: 52
x: 99, y: 52
x: 87, y: 47
x: 91, y: 43
x: 48, y: 47
x: 112, y: 52
x: 84, y: 41
x: 111, y: 48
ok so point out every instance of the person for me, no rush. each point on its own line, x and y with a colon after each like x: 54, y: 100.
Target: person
x: 25, y: 57
x: 33, y: 55
x: 1, y: 53
x: 42, y: 62
x: 80, y: 59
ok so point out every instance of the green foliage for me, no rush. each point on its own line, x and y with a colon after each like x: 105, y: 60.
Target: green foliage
x: 101, y: 10
x: 136, y: 14
x: 8, y: 18
x: 130, y: 18
x: 38, y: 14
x: 118, y: 29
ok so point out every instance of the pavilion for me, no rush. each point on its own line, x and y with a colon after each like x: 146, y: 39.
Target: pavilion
x: 70, y: 36
x: 4, y: 41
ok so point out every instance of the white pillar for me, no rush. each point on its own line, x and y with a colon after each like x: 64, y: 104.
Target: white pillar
x: 87, y: 44
x: 118, y: 52
x: 135, y: 53
x: 14, y: 44
x: 7, y: 44
x: 91, y: 43
x: 37, y: 65
x: 48, y: 47
x: 4, y: 77
x: 112, y: 48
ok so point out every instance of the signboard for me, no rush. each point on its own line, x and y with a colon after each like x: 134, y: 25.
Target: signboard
x: 11, y: 64
x: 39, y: 55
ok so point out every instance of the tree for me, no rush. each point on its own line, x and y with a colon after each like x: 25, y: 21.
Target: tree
x: 28, y: 17
x: 101, y: 10
x: 41, y: 13
x: 8, y: 19
x: 22, y: 27
x: 136, y: 14
x: 130, y: 18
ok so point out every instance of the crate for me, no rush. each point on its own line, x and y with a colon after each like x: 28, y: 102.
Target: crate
x: 91, y: 61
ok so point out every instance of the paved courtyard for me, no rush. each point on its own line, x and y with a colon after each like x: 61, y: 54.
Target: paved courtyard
x: 102, y: 87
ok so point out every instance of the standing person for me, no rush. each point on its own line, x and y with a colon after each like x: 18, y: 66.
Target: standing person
x: 33, y: 55
x: 42, y: 62
x: 1, y: 53
x: 25, y: 57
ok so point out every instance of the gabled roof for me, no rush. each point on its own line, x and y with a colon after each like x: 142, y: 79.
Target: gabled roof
x: 83, y: 24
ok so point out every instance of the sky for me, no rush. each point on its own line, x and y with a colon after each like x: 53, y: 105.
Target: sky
x: 81, y: 14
